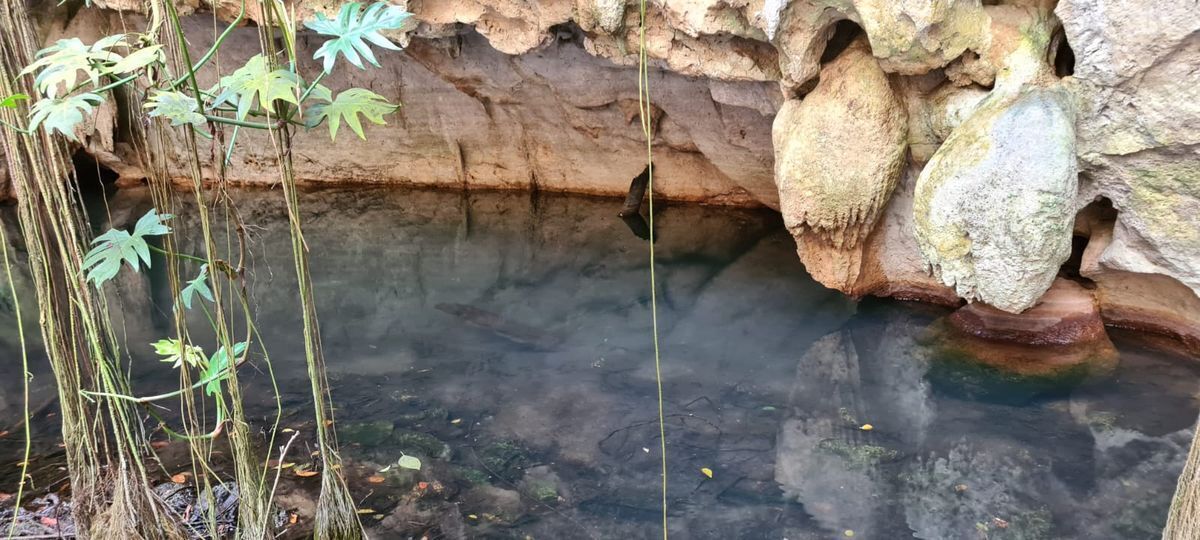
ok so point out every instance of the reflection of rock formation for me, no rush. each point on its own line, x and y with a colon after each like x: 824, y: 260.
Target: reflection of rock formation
x: 841, y: 473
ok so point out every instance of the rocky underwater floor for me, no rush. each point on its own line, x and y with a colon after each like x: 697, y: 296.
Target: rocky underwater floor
x: 503, y: 340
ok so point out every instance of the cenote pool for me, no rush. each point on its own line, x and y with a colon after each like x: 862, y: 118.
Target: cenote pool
x: 504, y: 339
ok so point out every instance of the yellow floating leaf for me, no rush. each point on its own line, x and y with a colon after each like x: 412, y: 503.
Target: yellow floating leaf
x: 867, y: 427
x: 287, y: 430
x: 456, y: 421
x: 306, y: 474
x: 287, y: 465
x: 472, y: 516
x: 848, y: 533
x: 376, y: 479
x: 179, y: 478
x: 364, y: 511
x: 706, y: 471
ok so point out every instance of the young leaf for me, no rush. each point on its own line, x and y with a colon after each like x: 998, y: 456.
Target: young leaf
x: 138, y: 60
x: 255, y: 79
x: 196, y: 286
x: 351, y: 33
x: 12, y: 101
x: 62, y: 115
x: 62, y: 62
x: 114, y: 246
x: 348, y: 105
x: 177, y: 352
x: 218, y: 368
x: 177, y: 107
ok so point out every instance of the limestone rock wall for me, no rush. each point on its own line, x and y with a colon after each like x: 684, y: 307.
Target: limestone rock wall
x: 929, y: 149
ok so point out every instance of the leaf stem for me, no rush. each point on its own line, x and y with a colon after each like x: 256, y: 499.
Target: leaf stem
x: 180, y: 255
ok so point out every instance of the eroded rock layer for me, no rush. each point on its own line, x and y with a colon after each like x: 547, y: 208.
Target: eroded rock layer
x: 1015, y: 115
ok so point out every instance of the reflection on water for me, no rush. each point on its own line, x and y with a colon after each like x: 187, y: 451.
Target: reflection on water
x: 505, y: 340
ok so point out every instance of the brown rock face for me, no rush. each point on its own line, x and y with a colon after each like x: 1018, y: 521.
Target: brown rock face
x: 1065, y: 315
x: 1062, y: 334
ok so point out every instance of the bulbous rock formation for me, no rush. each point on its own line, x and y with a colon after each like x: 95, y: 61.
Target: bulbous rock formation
x: 840, y: 151
x: 995, y: 205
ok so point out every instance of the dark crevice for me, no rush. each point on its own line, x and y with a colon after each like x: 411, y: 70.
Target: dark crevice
x: 1097, y: 218
x: 568, y: 32
x: 1061, y: 55
x: 844, y: 33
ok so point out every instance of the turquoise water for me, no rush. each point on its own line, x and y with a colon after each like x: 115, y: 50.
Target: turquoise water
x: 504, y: 340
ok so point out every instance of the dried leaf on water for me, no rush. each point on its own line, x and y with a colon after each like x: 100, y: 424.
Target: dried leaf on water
x: 306, y: 473
x: 364, y: 511
x: 706, y: 471
x: 376, y: 479
x: 867, y: 427
x: 179, y: 478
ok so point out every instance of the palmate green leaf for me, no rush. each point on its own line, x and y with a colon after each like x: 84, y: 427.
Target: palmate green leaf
x: 197, y: 286
x: 11, y: 102
x: 177, y: 353
x: 348, y: 105
x: 62, y: 115
x: 256, y: 79
x: 218, y: 367
x: 61, y: 63
x: 115, y: 246
x: 177, y: 107
x: 352, y: 32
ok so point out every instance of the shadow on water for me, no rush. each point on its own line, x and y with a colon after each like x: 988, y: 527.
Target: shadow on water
x: 506, y: 344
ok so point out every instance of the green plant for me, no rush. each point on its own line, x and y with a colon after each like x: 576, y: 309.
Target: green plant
x: 70, y: 81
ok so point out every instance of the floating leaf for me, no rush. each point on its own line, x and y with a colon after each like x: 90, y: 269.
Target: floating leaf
x: 306, y: 473
x: 409, y: 462
x: 867, y: 427
x: 177, y: 352
x: 116, y: 245
x: 62, y: 115
x: 848, y: 533
x: 256, y: 79
x: 706, y: 472
x: 376, y: 479
x: 12, y: 101
x: 351, y: 33
x: 179, y: 478
x: 177, y: 107
x: 348, y: 104
x: 61, y: 63
x: 196, y: 286
x: 363, y: 511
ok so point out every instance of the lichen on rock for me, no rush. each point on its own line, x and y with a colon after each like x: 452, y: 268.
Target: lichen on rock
x: 995, y: 205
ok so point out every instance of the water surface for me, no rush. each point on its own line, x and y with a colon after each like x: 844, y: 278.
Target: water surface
x: 505, y: 340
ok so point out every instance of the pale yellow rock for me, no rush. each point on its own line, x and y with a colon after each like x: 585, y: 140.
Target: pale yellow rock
x: 840, y: 151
